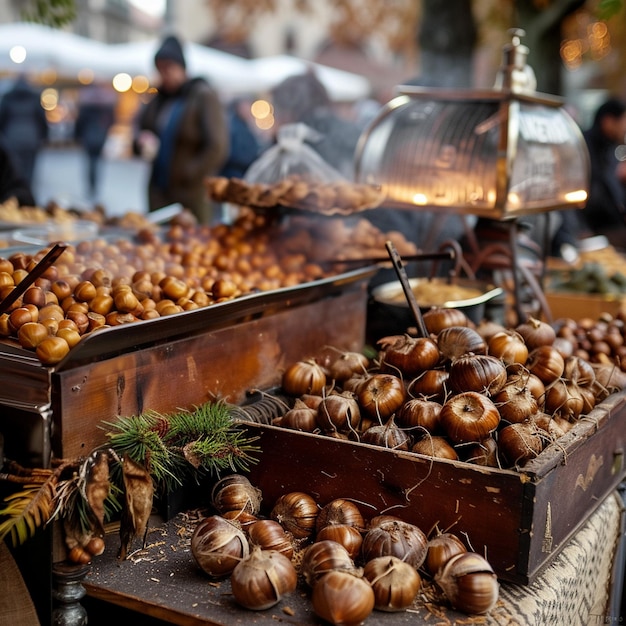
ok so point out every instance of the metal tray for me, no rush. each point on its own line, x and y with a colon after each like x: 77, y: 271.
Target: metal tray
x: 114, y: 340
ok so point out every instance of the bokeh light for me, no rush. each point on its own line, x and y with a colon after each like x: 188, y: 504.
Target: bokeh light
x: 260, y: 109
x: 49, y: 99
x: 85, y: 76
x: 140, y: 84
x: 122, y: 82
x: 265, y: 123
x: 593, y: 42
x: 263, y: 114
x: 572, y: 53
x: 48, y: 76
x: 17, y: 54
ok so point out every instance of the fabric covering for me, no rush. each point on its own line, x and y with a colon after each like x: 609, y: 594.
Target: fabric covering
x: 574, y: 589
x: 16, y: 606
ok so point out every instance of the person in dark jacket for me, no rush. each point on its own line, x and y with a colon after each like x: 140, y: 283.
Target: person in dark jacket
x: 244, y: 145
x: 184, y: 130
x: 304, y: 98
x: 23, y: 126
x: 96, y: 114
x: 605, y: 211
x: 12, y: 185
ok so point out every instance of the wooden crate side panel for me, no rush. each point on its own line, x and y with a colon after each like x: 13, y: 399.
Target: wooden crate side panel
x: 24, y: 383
x: 568, y: 494
x: 484, y: 506
x: 225, y: 363
x: 578, y: 305
x: 26, y: 435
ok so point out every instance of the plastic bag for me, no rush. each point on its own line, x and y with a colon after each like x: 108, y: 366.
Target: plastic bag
x: 291, y: 175
x: 291, y: 156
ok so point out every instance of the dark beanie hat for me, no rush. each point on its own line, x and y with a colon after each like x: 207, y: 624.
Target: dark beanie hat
x: 171, y: 50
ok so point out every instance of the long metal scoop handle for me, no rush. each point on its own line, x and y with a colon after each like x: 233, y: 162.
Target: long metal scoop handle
x: 32, y: 276
x: 406, y: 287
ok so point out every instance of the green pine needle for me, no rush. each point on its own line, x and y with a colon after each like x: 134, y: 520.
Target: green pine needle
x: 172, y: 447
x: 214, y: 455
x: 186, y: 426
x: 138, y: 437
x: 185, y: 444
x: 209, y: 440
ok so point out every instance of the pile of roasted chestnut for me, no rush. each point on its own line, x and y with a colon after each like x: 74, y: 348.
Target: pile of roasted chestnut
x: 601, y: 340
x: 99, y: 283
x: 482, y: 393
x: 348, y: 565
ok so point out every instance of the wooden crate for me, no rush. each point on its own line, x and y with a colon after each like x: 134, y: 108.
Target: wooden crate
x: 582, y: 305
x: 179, y: 361
x: 519, y: 520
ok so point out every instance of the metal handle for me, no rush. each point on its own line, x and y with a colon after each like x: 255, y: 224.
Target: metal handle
x: 32, y: 276
x: 406, y: 287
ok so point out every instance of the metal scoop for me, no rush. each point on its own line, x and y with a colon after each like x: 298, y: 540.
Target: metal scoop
x: 398, y: 266
x: 32, y: 276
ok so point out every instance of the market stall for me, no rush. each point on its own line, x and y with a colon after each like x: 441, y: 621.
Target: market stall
x: 144, y: 366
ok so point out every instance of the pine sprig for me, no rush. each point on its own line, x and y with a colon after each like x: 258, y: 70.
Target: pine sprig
x: 209, y: 440
x: 213, y: 418
x: 27, y: 510
x: 213, y: 455
x: 184, y: 444
x: 171, y: 447
x: 139, y: 436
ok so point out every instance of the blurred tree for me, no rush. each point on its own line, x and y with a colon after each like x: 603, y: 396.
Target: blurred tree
x: 443, y: 33
x: 543, y: 23
x: 588, y: 41
x: 447, y: 37
x: 49, y: 12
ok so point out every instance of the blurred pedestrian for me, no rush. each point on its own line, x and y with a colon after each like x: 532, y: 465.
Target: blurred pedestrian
x: 23, y: 126
x: 183, y: 130
x: 605, y: 210
x: 12, y: 185
x: 304, y: 98
x: 96, y: 114
x: 244, y: 145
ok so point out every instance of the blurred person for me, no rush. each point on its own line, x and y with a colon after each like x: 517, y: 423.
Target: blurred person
x: 96, y: 114
x: 605, y: 210
x: 365, y: 111
x: 23, y: 126
x: 183, y: 130
x: 303, y: 98
x: 244, y: 144
x: 12, y: 184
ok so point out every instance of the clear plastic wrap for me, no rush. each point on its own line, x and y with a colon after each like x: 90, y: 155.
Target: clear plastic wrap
x: 291, y: 175
x: 291, y: 156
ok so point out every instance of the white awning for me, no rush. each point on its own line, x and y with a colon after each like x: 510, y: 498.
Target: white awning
x: 66, y: 53
x: 341, y: 85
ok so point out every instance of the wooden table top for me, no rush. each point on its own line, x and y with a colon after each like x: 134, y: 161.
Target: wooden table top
x: 164, y: 581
